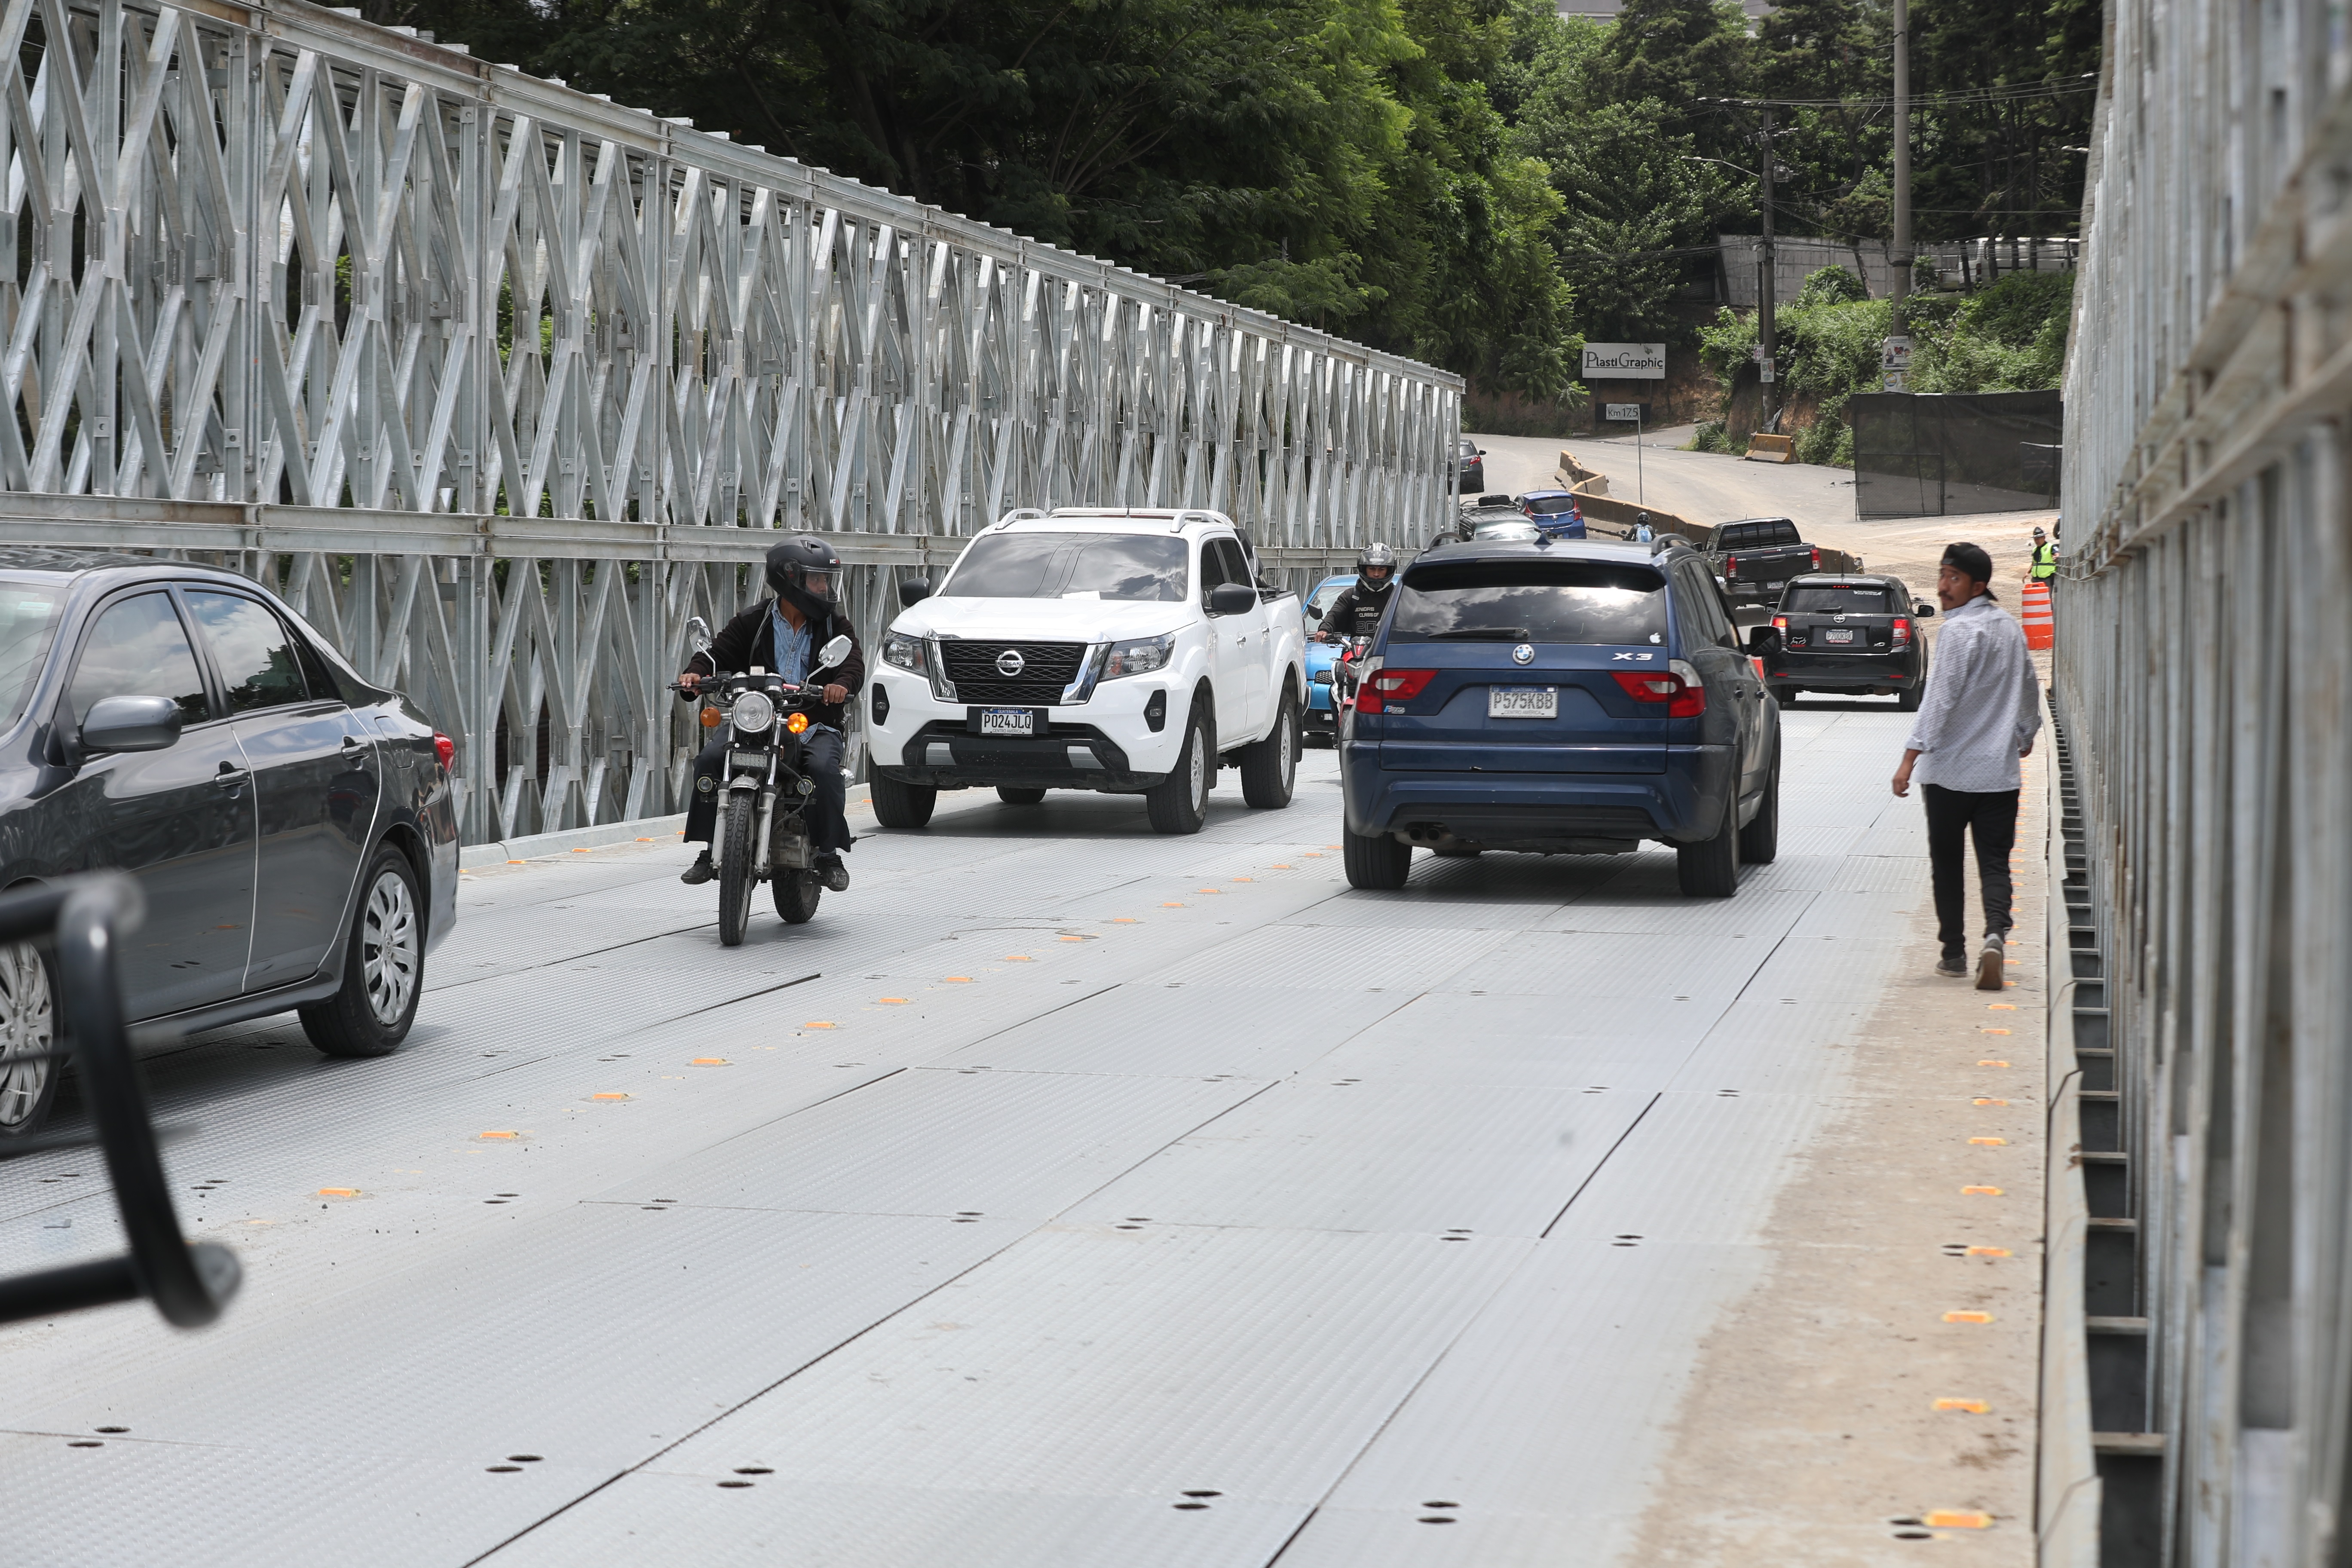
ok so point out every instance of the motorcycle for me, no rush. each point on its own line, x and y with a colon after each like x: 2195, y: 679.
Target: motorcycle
x: 1347, y: 672
x: 762, y: 831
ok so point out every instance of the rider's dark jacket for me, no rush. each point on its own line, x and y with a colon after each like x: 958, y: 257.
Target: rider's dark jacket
x: 751, y: 638
x: 1356, y: 614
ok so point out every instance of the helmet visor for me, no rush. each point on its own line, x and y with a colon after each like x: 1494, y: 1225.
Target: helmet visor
x: 817, y: 583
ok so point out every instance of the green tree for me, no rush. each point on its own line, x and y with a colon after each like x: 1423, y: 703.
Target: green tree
x: 1638, y: 206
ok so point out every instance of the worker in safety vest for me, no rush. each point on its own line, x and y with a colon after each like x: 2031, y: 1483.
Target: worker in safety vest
x: 2044, y: 565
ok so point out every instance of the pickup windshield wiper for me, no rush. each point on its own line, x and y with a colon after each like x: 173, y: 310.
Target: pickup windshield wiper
x: 1481, y: 634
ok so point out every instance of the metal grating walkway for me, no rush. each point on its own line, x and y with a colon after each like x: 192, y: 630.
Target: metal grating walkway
x: 1067, y: 1196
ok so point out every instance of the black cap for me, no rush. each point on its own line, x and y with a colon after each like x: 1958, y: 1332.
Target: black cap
x: 1969, y: 561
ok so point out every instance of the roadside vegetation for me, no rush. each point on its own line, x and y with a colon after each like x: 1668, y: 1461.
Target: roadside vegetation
x: 1482, y: 183
x: 2009, y: 336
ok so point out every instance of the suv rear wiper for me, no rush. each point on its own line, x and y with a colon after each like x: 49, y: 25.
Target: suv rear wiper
x: 1481, y: 634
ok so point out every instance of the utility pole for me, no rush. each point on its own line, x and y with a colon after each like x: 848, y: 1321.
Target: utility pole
x: 1895, y: 354
x: 1766, y: 341
x: 1901, y: 284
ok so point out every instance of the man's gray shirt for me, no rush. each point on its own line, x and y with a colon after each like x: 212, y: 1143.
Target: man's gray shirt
x: 1982, y: 704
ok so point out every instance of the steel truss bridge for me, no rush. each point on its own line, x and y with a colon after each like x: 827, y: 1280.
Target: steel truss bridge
x: 485, y: 375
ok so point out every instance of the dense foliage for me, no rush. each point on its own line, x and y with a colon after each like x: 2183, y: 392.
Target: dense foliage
x: 2008, y: 337
x: 1481, y: 183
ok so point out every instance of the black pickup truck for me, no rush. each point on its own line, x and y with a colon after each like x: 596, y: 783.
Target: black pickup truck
x: 1754, y: 557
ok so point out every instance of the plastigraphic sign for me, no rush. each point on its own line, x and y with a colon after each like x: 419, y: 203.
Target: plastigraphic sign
x: 1643, y: 362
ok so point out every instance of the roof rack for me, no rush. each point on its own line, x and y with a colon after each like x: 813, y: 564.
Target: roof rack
x: 1020, y: 514
x: 1191, y: 511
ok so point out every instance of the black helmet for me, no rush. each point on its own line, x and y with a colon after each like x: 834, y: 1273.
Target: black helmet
x: 806, y: 571
x: 1371, y: 555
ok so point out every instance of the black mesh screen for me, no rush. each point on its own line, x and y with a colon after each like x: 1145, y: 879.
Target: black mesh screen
x: 1929, y: 453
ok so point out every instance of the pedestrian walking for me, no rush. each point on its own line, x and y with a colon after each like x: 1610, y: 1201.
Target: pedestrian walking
x: 2043, y: 566
x: 1978, y: 715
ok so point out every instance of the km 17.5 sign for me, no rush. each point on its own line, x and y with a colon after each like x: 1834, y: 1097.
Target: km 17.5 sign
x: 1644, y: 362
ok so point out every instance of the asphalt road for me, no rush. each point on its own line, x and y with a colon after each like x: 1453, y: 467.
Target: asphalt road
x: 1062, y: 1194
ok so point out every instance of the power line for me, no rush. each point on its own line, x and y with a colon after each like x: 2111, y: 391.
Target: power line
x: 2088, y: 82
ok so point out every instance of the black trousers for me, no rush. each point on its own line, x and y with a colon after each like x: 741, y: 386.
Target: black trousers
x: 828, y: 817
x: 1954, y: 816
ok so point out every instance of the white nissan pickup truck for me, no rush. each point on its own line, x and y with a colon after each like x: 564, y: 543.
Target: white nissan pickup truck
x: 1126, y: 652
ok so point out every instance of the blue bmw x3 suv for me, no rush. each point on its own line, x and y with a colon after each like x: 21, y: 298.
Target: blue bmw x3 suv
x: 1558, y: 698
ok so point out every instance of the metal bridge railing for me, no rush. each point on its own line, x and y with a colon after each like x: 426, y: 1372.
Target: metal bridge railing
x: 488, y: 374
x: 2204, y: 673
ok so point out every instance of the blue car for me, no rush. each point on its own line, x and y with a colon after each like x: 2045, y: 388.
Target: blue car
x: 1559, y: 698
x: 1319, y: 724
x: 1555, y: 511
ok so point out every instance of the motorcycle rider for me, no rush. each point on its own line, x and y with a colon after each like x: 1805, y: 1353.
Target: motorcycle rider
x: 1357, y: 612
x: 782, y: 634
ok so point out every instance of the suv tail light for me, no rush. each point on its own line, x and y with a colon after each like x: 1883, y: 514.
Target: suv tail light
x: 1387, y: 685
x: 1686, y: 697
x: 1902, y: 630
x: 1780, y: 624
x: 1817, y: 557
x: 444, y: 748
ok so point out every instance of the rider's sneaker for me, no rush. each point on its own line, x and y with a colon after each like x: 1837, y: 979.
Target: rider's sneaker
x: 835, y: 875
x: 701, y: 871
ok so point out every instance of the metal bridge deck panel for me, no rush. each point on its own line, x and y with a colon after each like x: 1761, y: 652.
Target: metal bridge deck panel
x: 1606, y: 1333
x: 974, y: 1141
x: 197, y: 1505
x: 1608, y: 964
x: 1091, y: 1362
x: 1157, y: 1029
x: 1332, y: 958
x: 1328, y: 1154
x: 655, y: 1515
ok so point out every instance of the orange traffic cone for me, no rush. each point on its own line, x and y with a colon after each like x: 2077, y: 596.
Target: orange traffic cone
x: 2040, y: 627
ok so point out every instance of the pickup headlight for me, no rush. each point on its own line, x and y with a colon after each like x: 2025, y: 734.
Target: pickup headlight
x: 1140, y: 656
x: 904, y: 651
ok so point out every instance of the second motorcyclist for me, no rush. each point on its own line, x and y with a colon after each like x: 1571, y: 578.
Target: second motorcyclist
x: 782, y: 633
x: 1357, y: 612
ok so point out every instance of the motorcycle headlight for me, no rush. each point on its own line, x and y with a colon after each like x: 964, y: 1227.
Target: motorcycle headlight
x: 754, y: 711
x: 1140, y: 656
x: 904, y: 651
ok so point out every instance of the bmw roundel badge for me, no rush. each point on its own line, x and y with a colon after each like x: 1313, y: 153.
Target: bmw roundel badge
x: 1523, y: 654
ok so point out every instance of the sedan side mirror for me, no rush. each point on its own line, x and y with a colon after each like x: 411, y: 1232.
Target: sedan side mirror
x: 1924, y: 612
x: 131, y: 724
x: 1232, y: 599
x: 1762, y: 640
x: 913, y: 590
x: 832, y: 653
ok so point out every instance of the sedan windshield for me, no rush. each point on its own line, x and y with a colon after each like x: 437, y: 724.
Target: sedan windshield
x: 28, y: 621
x: 1531, y: 601
x: 1128, y: 566
x: 1837, y: 599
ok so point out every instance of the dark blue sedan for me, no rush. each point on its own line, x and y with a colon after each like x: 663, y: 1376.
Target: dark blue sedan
x: 1561, y: 699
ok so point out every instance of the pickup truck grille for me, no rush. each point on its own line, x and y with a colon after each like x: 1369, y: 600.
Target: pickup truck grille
x: 1046, y: 667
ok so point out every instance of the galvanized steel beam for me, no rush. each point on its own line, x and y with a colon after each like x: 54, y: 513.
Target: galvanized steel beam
x: 2204, y: 654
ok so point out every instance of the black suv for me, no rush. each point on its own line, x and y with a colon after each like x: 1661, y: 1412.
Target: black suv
x: 289, y: 823
x: 1855, y: 635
